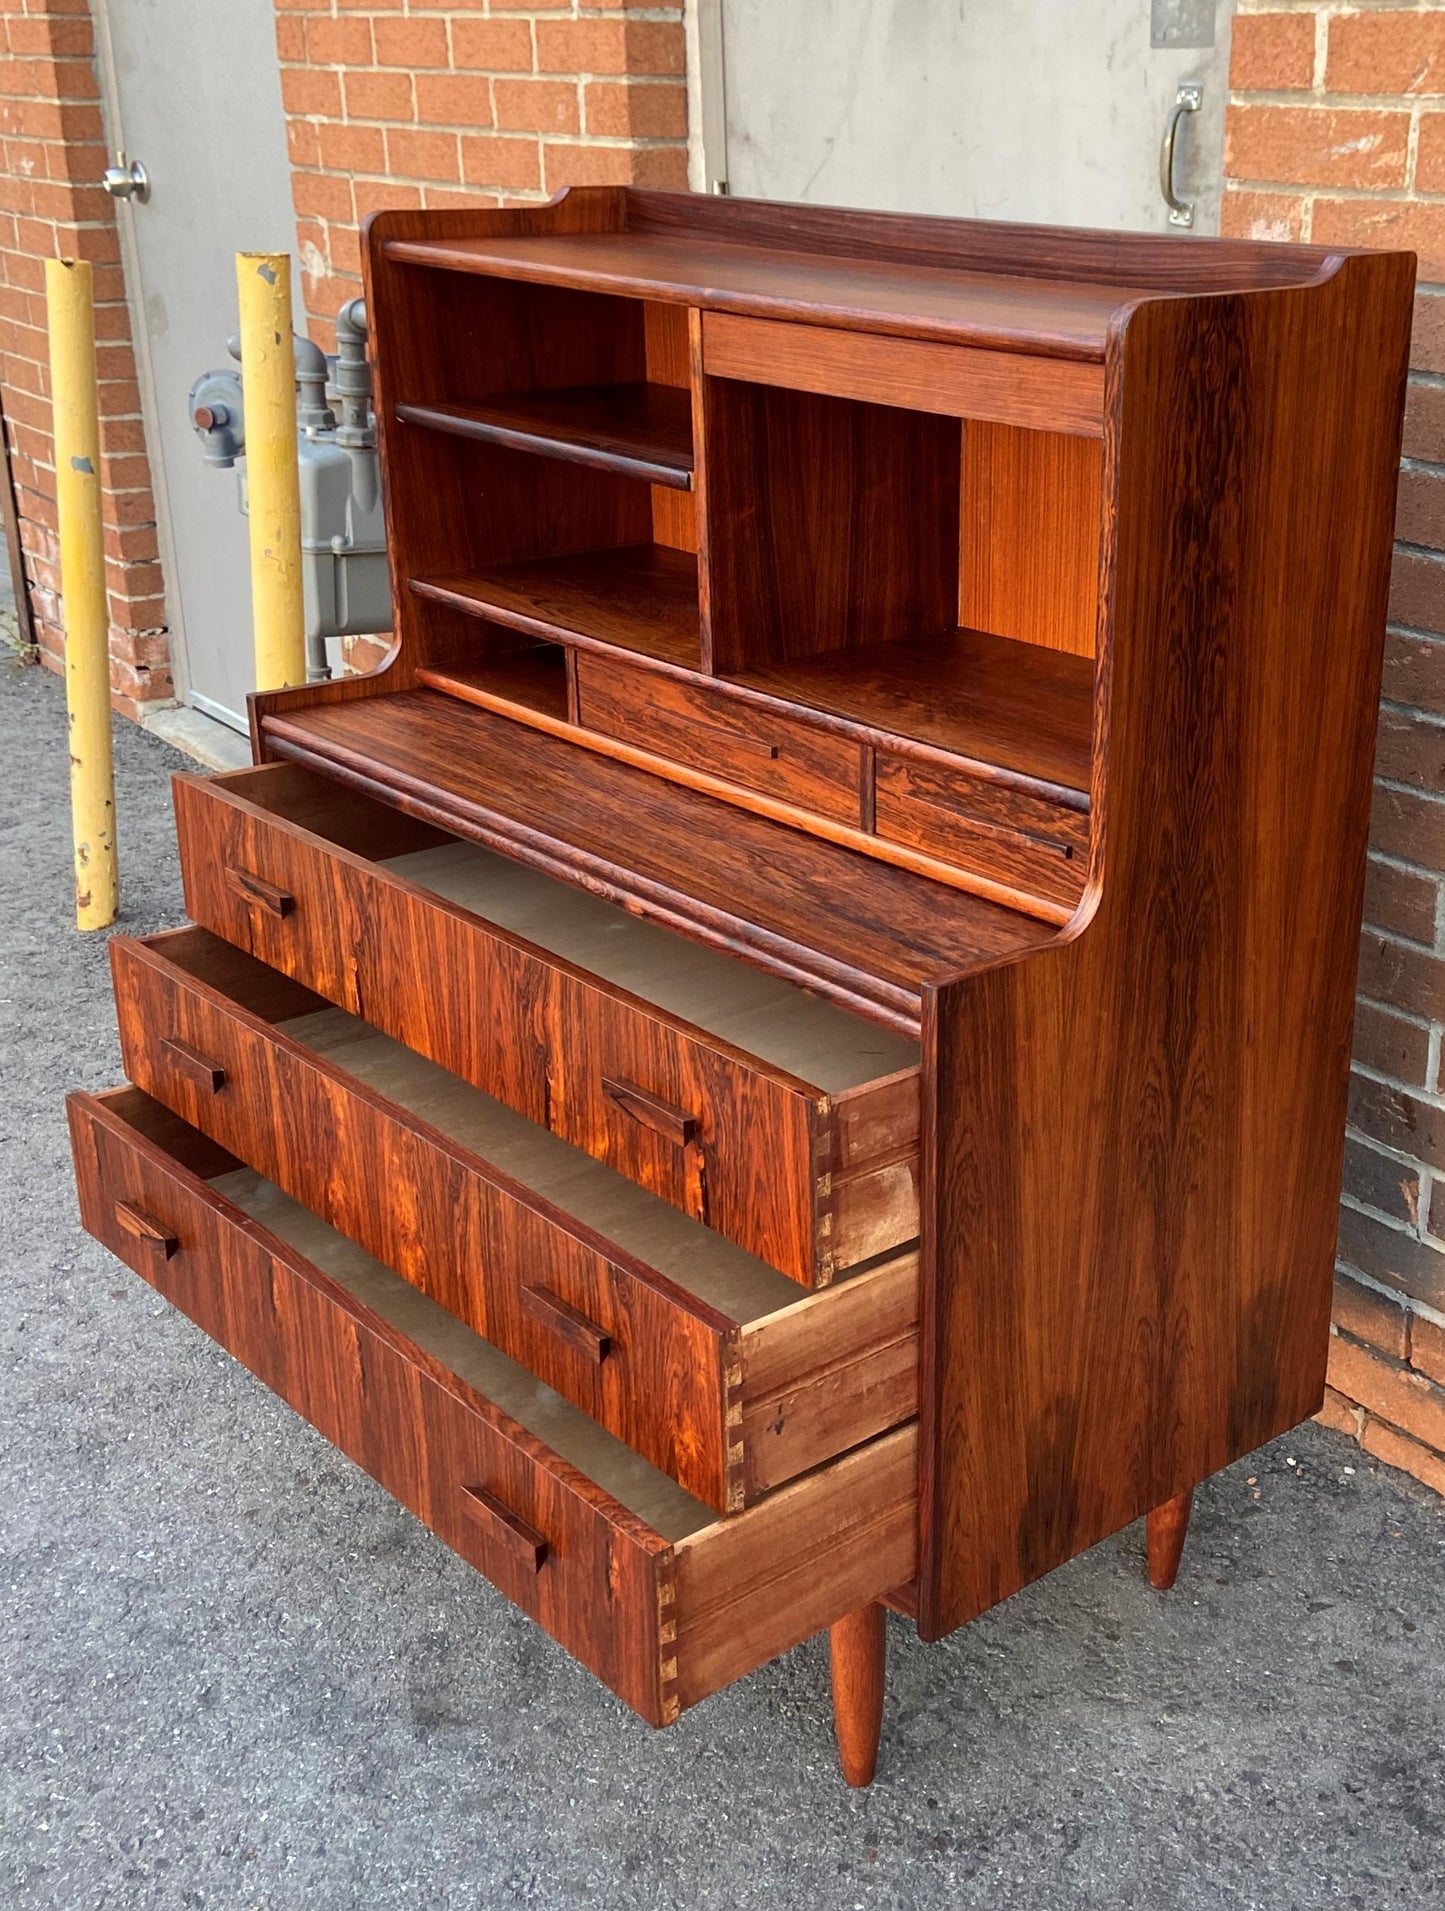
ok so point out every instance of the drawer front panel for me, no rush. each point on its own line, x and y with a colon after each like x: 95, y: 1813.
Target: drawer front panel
x: 744, y: 744
x: 605, y: 1578
x: 731, y: 1146
x: 1015, y: 838
x: 501, y: 1260
x: 374, y: 946
x: 548, y: 1040
x: 662, y: 1625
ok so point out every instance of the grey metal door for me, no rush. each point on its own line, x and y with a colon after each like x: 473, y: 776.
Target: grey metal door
x: 193, y: 91
x: 1035, y: 110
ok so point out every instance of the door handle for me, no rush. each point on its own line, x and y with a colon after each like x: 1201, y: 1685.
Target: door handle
x: 124, y: 181
x: 1188, y: 99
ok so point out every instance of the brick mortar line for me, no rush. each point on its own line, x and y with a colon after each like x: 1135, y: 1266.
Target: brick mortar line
x: 1432, y: 1097
x: 1418, y: 1235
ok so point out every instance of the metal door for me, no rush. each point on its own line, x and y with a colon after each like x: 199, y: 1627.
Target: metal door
x: 1034, y: 110
x: 193, y: 93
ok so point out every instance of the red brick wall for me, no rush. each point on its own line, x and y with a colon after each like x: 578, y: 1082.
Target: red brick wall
x: 51, y: 205
x: 437, y: 102
x: 1336, y: 133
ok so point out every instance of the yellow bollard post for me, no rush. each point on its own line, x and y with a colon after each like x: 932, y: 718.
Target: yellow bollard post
x: 71, y: 308
x: 273, y: 487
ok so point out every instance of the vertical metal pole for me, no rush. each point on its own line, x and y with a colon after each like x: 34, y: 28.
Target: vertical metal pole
x: 273, y: 486
x: 71, y: 307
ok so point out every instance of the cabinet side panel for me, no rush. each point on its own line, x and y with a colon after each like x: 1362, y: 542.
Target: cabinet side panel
x: 1131, y: 1191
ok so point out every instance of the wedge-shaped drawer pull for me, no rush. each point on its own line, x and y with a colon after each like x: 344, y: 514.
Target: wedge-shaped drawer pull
x: 259, y: 893
x: 152, y: 1235
x: 525, y: 1544
x: 567, y: 1322
x: 672, y: 1123
x: 195, y: 1066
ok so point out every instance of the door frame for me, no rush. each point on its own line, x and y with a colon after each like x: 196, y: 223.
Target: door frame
x: 141, y: 351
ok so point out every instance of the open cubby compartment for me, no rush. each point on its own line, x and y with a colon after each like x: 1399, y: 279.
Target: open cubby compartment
x: 539, y: 458
x: 925, y: 576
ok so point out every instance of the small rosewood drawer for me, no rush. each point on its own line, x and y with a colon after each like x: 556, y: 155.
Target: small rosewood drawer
x: 1023, y: 840
x: 739, y: 742
x: 628, y: 1572
x: 699, y: 1356
x: 786, y: 1124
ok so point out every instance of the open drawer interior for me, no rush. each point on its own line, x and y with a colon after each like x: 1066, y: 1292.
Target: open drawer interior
x: 631, y: 1574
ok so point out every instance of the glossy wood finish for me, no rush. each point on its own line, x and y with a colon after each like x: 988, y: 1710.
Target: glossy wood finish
x: 812, y: 768
x: 859, y: 932
x: 951, y: 380
x: 1020, y: 715
x: 811, y: 1180
x: 1150, y: 1070
x: 858, y: 541
x: 1165, y: 1529
x: 637, y: 429
x: 684, y: 1380
x: 664, y: 1619
x: 1029, y: 844
x: 926, y: 701
x: 1032, y: 512
x: 858, y: 1651
x: 641, y: 597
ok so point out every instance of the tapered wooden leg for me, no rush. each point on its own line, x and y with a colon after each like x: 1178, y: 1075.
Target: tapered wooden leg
x: 1164, y: 1531
x: 859, y: 1647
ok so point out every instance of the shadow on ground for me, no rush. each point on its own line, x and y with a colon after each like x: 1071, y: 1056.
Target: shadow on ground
x: 233, y: 1673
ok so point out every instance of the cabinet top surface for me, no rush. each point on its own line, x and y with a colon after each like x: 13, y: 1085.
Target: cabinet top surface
x: 1042, y: 290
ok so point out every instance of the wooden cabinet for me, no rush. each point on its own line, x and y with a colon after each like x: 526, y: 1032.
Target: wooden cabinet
x: 754, y: 1067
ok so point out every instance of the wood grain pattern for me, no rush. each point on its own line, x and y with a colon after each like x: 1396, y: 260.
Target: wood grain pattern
x: 857, y: 931
x: 400, y: 957
x: 1150, y: 1070
x: 1055, y: 259
x: 637, y: 429
x: 1166, y: 1528
x: 858, y: 1647
x: 663, y: 1631
x: 812, y: 768
x: 857, y: 540
x: 1032, y: 515
x: 674, y: 1375
x: 641, y: 597
x: 1020, y: 714
x: 410, y: 1423
x: 952, y: 380
x: 796, y: 1562
x: 1036, y: 847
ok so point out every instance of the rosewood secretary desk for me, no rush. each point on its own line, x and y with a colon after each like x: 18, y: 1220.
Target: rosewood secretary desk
x: 788, y: 1049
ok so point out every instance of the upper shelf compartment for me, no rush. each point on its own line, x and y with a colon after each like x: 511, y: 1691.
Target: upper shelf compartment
x: 639, y: 429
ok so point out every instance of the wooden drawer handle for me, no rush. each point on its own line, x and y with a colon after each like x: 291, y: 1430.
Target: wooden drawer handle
x: 156, y: 1238
x: 195, y: 1066
x: 672, y: 1123
x: 525, y: 1544
x: 259, y: 893
x: 567, y: 1322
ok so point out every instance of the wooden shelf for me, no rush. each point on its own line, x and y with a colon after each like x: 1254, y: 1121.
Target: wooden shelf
x: 1014, y: 705
x: 526, y: 681
x: 856, y: 930
x: 638, y: 430
x: 639, y: 597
